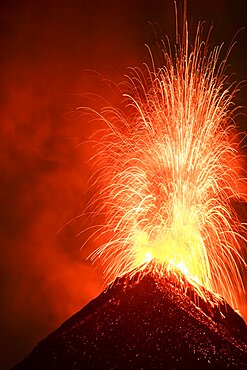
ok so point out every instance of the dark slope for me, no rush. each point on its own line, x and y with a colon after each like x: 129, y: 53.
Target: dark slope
x: 143, y: 321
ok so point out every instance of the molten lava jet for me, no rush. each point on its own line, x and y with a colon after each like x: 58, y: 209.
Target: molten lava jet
x: 166, y: 172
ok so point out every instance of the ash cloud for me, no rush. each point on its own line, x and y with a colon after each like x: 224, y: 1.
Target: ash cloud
x: 45, y: 46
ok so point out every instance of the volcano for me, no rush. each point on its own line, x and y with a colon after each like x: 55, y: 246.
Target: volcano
x: 150, y: 318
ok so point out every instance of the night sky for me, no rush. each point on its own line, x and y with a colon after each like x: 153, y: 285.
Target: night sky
x: 49, y: 50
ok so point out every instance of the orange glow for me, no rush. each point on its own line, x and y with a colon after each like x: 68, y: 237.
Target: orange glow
x: 166, y: 172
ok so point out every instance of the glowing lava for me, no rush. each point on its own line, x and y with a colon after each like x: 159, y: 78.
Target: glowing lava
x: 166, y: 172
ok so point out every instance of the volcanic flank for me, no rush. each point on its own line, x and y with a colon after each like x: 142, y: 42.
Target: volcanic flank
x: 150, y: 318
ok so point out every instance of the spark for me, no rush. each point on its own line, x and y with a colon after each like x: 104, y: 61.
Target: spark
x: 167, y: 170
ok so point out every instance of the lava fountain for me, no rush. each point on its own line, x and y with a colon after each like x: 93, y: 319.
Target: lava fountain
x: 166, y: 172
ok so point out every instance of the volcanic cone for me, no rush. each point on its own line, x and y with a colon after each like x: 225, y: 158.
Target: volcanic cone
x: 150, y: 318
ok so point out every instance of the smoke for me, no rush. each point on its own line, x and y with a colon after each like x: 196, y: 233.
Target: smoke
x: 44, y: 278
x: 45, y: 46
x: 42, y: 188
x: 44, y: 176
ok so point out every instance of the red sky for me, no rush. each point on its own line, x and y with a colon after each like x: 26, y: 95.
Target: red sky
x: 47, y: 48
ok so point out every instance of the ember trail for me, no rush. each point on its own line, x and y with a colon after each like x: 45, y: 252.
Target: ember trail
x: 166, y: 172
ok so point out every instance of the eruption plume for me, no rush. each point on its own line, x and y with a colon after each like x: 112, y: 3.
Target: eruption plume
x: 167, y: 171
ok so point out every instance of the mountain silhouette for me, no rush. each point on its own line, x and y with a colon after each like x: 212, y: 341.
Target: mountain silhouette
x: 150, y: 318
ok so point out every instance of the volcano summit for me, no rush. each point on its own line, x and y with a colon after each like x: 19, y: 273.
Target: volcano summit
x: 150, y: 318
